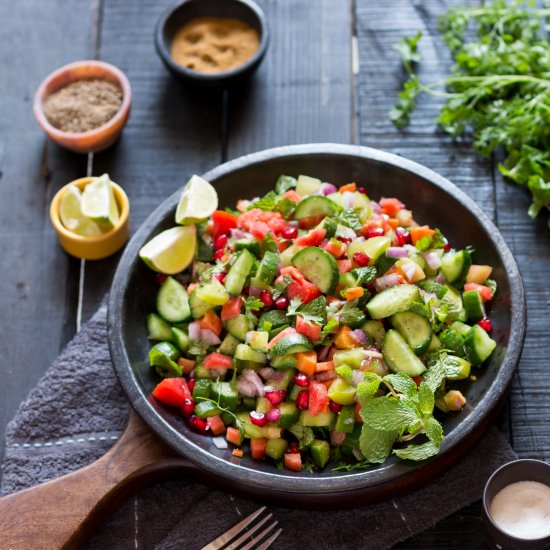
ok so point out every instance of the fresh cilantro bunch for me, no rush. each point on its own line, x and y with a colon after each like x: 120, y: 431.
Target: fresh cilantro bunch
x: 498, y: 91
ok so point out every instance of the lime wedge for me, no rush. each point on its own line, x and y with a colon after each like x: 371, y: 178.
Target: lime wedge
x: 70, y: 212
x: 99, y: 203
x: 198, y: 201
x: 170, y: 251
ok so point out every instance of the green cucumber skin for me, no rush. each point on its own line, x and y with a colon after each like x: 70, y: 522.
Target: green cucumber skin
x: 314, y: 206
x: 268, y: 267
x: 158, y: 328
x: 198, y: 306
x: 475, y: 310
x: 455, y: 265
x: 393, y: 300
x: 415, y: 329
x: 293, y: 343
x: 478, y: 345
x: 399, y: 356
x: 236, y: 277
x: 238, y: 326
x: 319, y: 267
x: 173, y: 301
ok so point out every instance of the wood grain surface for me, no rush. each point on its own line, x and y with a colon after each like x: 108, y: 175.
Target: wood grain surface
x: 304, y: 92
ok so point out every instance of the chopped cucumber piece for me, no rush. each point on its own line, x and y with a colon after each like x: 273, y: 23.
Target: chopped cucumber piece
x: 163, y: 357
x: 203, y: 388
x: 267, y: 268
x: 245, y: 353
x: 320, y: 452
x: 252, y: 245
x: 292, y: 343
x: 276, y: 448
x: 393, y: 300
x: 313, y: 207
x: 198, y: 307
x: 306, y: 185
x: 238, y: 326
x: 319, y: 267
x: 173, y: 301
x: 226, y: 395
x: 399, y: 356
x: 229, y: 345
x: 455, y: 265
x: 478, y: 345
x: 373, y: 247
x: 237, y: 274
x: 281, y: 382
x: 180, y: 338
x: 473, y: 304
x: 346, y: 419
x: 213, y: 293
x: 284, y: 362
x: 258, y: 341
x: 205, y: 409
x: 416, y: 330
x: 158, y: 328
x: 341, y: 392
x: 352, y: 357
x: 375, y: 332
x: 461, y: 364
x: 289, y: 415
x: 321, y: 420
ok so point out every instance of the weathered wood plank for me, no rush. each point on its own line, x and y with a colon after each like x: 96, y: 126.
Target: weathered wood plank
x: 172, y: 132
x: 38, y: 280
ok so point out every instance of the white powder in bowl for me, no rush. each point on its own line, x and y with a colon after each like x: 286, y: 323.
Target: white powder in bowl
x: 522, y: 510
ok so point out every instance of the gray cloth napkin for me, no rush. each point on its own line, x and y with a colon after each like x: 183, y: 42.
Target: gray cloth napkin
x: 77, y: 411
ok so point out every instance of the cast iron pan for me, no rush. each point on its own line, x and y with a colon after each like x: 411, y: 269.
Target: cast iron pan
x: 141, y: 455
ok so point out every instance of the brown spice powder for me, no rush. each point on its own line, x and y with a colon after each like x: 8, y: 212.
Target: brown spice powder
x: 83, y: 105
x: 213, y: 44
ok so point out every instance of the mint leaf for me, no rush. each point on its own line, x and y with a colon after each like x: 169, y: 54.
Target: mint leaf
x: 367, y: 389
x: 375, y: 445
x: 268, y: 244
x: 425, y: 399
x: 364, y: 275
x: 388, y: 414
x: 433, y: 429
x: 401, y: 383
x: 436, y: 373
x: 418, y: 452
x: 265, y: 203
x: 346, y: 372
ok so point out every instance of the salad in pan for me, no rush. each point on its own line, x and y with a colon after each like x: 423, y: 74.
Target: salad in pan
x: 314, y: 324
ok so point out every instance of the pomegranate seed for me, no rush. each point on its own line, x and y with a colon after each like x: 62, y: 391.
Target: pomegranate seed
x: 334, y: 407
x: 266, y: 298
x: 273, y: 415
x: 161, y: 278
x: 485, y: 324
x: 220, y: 276
x: 275, y: 396
x: 402, y: 236
x: 362, y: 190
x: 447, y: 247
x: 293, y: 448
x: 375, y: 232
x: 302, y: 400
x: 188, y: 407
x: 301, y: 380
x: 289, y: 233
x: 345, y: 240
x: 220, y: 241
x: 360, y: 259
x: 191, y: 384
x: 218, y: 255
x: 199, y: 424
x: 281, y: 302
x: 258, y: 418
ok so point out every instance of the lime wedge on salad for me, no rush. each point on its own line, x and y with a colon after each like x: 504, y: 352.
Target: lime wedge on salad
x: 198, y: 201
x: 171, y: 251
x: 99, y: 203
x: 70, y: 212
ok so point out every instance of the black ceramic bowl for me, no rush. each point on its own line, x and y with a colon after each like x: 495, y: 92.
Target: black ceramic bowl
x: 174, y: 18
x: 435, y: 201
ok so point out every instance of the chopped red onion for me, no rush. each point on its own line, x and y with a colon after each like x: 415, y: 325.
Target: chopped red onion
x: 266, y: 372
x: 376, y: 208
x: 273, y: 415
x: 357, y: 453
x: 220, y: 442
x: 372, y: 353
x: 386, y: 281
x: 209, y: 337
x: 192, y: 374
x: 348, y: 199
x: 440, y: 279
x: 194, y: 331
x: 255, y: 291
x: 221, y: 371
x: 328, y: 189
x: 249, y: 336
x: 256, y: 381
x: 278, y: 376
x: 322, y: 354
x: 337, y: 438
x: 409, y: 269
x: 397, y: 252
x: 237, y: 233
x: 357, y: 377
x: 432, y: 259
x: 245, y: 387
x: 359, y: 336
x: 324, y: 376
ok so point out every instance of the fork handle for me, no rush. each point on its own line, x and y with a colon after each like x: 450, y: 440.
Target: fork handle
x: 63, y: 513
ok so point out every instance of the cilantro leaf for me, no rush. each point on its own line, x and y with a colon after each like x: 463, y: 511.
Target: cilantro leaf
x: 408, y: 49
x: 375, y: 445
x: 328, y: 330
x: 304, y: 434
x: 365, y: 275
x: 418, y: 452
x: 313, y: 312
x: 253, y: 304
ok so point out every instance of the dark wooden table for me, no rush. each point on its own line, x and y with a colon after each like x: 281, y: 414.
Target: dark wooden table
x: 330, y: 75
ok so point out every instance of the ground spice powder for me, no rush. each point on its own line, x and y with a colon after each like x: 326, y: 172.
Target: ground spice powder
x: 213, y: 44
x: 83, y: 105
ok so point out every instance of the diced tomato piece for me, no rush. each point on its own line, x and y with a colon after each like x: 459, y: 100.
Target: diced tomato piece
x: 258, y: 446
x: 217, y: 360
x: 391, y: 206
x: 305, y: 290
x: 232, y: 308
x: 421, y: 231
x: 281, y: 334
x: 334, y: 249
x: 259, y: 229
x: 291, y: 195
x: 234, y: 436
x: 418, y: 379
x: 216, y: 424
x: 295, y: 273
x: 318, y: 398
x: 274, y: 220
x: 223, y: 222
x: 485, y: 292
x: 211, y: 321
x: 309, y: 223
x: 293, y: 462
x: 344, y: 265
x: 313, y: 238
x: 306, y: 361
x: 187, y: 365
x: 238, y: 453
x: 172, y: 391
x: 308, y: 329
x: 348, y: 187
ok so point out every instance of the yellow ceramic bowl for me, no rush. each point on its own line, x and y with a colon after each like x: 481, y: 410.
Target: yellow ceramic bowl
x: 98, y: 246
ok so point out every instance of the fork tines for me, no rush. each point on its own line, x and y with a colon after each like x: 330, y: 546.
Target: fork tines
x: 246, y: 528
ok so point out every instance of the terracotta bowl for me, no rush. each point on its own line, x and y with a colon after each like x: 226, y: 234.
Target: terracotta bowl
x: 98, y: 246
x: 94, y: 140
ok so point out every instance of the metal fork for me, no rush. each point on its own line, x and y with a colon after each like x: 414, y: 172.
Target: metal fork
x: 246, y: 530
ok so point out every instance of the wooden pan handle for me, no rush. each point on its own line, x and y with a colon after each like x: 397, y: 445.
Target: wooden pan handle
x: 63, y: 512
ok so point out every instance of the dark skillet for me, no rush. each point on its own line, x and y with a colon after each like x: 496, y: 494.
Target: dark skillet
x: 434, y: 200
